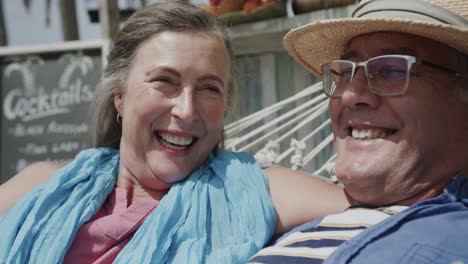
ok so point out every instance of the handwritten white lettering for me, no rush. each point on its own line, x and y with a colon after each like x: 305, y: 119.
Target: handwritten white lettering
x: 18, y: 105
x: 34, y: 149
x: 21, y: 130
x: 65, y: 146
x: 66, y: 128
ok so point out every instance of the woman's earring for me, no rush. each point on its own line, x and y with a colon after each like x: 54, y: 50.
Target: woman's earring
x: 119, y: 118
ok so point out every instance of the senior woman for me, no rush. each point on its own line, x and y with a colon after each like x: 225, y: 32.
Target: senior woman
x: 156, y: 187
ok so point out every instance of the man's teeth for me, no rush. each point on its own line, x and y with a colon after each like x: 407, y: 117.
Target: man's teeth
x: 368, y: 133
x: 175, y: 142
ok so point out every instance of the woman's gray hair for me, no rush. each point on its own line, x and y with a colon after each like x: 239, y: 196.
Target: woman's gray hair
x: 177, y: 16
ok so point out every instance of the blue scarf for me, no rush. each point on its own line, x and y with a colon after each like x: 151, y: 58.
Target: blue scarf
x: 222, y: 213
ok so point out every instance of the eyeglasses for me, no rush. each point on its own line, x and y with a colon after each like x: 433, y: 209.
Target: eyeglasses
x: 386, y: 75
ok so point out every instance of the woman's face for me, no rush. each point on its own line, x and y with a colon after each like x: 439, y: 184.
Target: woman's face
x: 172, y: 107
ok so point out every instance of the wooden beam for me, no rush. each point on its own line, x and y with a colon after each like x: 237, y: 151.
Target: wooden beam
x: 69, y: 21
x: 3, y: 35
x: 109, y: 18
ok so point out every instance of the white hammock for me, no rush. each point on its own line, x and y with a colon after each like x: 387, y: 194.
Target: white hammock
x: 295, y: 132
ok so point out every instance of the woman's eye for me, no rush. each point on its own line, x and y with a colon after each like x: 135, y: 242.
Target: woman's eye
x: 211, y: 90
x: 162, y: 81
x: 163, y: 84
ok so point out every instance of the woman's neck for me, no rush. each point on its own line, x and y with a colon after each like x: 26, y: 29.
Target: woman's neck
x: 135, y: 190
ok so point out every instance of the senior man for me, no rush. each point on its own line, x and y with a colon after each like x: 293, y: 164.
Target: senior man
x: 397, y: 77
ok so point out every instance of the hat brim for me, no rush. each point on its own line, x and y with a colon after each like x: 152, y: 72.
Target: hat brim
x: 320, y: 42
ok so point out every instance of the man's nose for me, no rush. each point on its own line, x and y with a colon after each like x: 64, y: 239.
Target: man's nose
x: 357, y: 92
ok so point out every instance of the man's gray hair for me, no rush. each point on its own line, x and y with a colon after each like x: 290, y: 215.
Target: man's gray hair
x: 461, y: 66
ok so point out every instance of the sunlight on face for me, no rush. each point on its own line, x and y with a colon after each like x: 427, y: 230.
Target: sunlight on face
x: 173, y: 106
x: 394, y: 148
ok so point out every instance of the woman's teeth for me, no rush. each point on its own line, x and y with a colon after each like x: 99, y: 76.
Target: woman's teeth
x: 368, y: 133
x: 175, y: 142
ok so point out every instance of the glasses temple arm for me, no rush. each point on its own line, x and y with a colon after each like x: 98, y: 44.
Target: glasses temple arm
x: 442, y: 68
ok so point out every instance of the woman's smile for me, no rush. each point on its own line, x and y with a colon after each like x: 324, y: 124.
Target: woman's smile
x: 175, y: 141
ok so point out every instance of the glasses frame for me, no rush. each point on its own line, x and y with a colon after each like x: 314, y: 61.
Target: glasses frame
x: 410, y: 61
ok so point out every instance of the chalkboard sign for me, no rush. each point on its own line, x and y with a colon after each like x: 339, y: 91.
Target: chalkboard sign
x: 45, y: 100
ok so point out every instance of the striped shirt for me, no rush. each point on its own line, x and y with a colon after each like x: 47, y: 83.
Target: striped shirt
x: 315, y: 244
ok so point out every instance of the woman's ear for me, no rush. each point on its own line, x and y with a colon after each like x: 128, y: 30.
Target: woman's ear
x: 118, y: 100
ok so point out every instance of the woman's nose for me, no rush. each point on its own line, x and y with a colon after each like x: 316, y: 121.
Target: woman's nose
x: 357, y: 92
x: 184, y: 106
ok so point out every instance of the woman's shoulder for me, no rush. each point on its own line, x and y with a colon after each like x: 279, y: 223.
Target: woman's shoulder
x: 23, y: 182
x: 300, y: 197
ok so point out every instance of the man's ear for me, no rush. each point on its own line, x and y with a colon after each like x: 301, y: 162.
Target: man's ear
x: 118, y: 100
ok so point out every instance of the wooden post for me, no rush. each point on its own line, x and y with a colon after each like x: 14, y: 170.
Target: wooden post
x: 69, y: 21
x: 3, y: 35
x: 109, y: 18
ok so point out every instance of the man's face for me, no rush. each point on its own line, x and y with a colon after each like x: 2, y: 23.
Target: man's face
x: 400, y: 149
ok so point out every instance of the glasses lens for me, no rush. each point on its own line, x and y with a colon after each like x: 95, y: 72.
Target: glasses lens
x: 336, y: 75
x: 388, y: 75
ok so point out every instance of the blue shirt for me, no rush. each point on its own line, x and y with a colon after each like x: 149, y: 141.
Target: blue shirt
x: 431, y: 231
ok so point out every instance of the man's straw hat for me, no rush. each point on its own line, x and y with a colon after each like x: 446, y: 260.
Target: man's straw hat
x: 317, y: 43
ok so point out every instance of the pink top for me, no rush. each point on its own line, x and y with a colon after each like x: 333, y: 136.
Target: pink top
x: 102, y: 238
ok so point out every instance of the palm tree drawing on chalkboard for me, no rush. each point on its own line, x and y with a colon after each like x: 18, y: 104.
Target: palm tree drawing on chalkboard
x: 74, y: 62
x: 27, y: 68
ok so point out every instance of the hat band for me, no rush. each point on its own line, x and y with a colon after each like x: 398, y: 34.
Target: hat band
x: 411, y: 9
